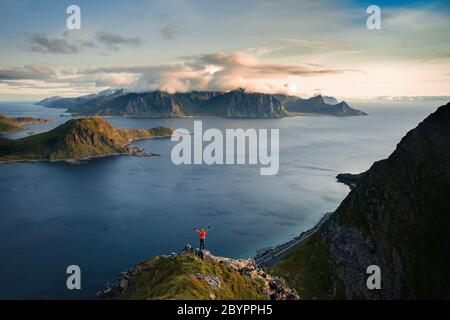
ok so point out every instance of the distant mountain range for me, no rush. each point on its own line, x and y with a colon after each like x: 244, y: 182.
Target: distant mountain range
x: 236, y: 103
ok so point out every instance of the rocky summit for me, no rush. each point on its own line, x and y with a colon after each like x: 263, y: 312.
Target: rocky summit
x: 194, y: 274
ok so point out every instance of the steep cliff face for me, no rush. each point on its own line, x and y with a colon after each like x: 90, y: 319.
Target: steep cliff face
x: 396, y: 217
x: 155, y: 103
x: 238, y: 103
x: 76, y: 139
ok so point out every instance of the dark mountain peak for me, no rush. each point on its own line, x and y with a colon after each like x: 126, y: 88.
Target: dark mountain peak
x: 438, y: 119
x: 343, y: 104
x: 317, y: 99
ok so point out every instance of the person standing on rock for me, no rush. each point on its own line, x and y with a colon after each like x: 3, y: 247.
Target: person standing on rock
x: 202, y: 234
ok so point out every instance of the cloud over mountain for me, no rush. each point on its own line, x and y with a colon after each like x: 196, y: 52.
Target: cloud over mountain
x: 224, y: 71
x: 216, y: 71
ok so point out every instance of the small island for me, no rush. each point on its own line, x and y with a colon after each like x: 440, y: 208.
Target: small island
x: 11, y: 124
x: 78, y: 140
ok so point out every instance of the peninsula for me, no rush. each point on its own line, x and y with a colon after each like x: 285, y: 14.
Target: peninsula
x: 11, y: 124
x: 77, y: 140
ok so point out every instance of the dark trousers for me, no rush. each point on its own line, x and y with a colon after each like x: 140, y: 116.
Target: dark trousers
x: 202, y: 244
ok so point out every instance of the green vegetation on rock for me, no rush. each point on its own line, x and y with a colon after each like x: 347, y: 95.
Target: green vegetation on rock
x: 310, y: 270
x: 199, y: 275
x: 187, y: 276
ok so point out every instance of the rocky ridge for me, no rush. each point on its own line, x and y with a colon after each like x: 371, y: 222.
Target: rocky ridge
x: 269, y: 286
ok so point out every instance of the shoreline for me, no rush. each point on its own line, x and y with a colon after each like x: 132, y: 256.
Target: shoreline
x: 137, y: 152
x: 271, y: 256
x: 83, y: 160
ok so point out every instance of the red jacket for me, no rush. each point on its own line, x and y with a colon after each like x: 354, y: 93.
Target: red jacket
x: 202, y: 233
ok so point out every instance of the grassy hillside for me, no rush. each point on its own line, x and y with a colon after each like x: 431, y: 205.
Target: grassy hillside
x: 192, y: 274
x: 396, y: 217
x: 76, y: 139
x: 184, y: 277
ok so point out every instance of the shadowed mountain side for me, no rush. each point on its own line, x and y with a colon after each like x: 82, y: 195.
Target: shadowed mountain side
x: 396, y: 217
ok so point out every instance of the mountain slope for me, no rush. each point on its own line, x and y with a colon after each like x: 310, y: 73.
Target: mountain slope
x: 396, y: 217
x: 76, y: 139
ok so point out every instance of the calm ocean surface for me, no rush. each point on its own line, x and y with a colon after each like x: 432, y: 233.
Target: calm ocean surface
x: 108, y: 214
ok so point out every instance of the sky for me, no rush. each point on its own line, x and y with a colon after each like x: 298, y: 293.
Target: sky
x: 287, y: 46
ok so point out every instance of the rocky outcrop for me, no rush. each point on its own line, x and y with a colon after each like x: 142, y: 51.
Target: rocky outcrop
x: 396, y: 217
x: 205, y: 273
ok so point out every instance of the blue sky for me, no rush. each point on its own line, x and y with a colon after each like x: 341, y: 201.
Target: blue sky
x: 292, y: 46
